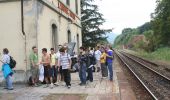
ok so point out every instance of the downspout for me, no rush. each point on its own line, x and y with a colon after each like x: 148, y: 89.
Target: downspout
x: 23, y: 32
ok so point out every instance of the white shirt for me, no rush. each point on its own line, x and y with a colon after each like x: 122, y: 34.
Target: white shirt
x: 91, y: 52
x: 6, y: 58
x: 65, y: 61
x: 57, y: 55
x: 97, y: 54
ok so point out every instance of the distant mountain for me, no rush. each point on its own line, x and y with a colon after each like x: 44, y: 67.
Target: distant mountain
x: 111, y: 37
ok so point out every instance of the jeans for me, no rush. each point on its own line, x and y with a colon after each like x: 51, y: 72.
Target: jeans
x: 9, y: 82
x: 82, y: 73
x: 54, y: 73
x: 110, y: 68
x: 90, y: 74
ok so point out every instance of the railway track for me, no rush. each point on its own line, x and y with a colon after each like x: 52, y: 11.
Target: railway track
x: 156, y: 83
x: 153, y: 66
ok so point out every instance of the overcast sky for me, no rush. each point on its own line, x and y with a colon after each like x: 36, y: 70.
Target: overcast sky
x: 120, y: 14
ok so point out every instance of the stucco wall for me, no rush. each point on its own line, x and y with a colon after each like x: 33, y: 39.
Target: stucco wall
x: 11, y: 36
x: 47, y: 17
x: 38, y: 20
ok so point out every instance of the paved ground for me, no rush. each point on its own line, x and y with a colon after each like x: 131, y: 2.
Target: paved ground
x: 100, y: 89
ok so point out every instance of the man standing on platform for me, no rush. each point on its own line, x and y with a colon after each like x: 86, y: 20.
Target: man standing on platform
x: 97, y: 56
x: 109, y: 60
x: 34, y: 65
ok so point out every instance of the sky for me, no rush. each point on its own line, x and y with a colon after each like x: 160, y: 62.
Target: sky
x: 120, y: 14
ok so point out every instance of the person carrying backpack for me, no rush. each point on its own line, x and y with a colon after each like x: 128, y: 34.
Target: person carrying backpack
x: 65, y: 61
x: 90, y: 65
x: 82, y: 59
x: 6, y: 69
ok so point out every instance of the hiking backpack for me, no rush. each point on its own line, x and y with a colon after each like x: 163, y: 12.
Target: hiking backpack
x: 12, y: 63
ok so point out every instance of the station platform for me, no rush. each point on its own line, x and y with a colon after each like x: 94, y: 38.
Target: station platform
x: 100, y: 89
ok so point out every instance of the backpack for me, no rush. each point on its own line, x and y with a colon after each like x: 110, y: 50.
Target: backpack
x: 30, y: 83
x: 12, y: 63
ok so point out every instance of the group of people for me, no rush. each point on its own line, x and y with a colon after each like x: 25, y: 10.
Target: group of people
x: 58, y: 65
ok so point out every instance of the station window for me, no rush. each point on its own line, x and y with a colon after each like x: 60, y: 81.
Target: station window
x: 76, y: 6
x: 78, y: 43
x: 54, y: 36
x: 69, y: 36
x: 68, y: 2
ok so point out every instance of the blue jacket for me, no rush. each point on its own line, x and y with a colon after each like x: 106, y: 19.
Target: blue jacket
x: 6, y: 70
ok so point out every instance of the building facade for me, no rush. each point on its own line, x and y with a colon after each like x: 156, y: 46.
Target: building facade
x: 41, y: 23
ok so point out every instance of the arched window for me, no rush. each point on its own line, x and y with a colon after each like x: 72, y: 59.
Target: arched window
x: 68, y: 2
x: 69, y: 36
x: 76, y: 5
x: 54, y: 36
x: 78, y: 43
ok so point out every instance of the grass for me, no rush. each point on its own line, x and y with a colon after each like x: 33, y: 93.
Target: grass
x: 162, y: 54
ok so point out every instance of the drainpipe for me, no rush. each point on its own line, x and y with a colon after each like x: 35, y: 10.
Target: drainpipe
x: 23, y: 32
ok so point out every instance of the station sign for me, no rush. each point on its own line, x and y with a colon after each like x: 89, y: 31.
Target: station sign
x: 63, y: 8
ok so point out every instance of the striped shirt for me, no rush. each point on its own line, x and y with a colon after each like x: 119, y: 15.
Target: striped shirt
x: 65, y: 61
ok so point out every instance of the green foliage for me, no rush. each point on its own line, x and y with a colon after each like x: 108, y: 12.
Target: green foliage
x: 145, y: 27
x: 159, y: 54
x: 128, y: 33
x: 161, y: 23
x: 125, y: 37
x: 91, y: 21
x: 139, y: 46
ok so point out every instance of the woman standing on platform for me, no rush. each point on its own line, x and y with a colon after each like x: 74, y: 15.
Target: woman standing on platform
x: 7, y: 71
x: 82, y: 59
x: 104, y: 70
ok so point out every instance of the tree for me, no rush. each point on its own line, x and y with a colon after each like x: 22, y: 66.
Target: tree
x: 161, y: 23
x: 91, y: 21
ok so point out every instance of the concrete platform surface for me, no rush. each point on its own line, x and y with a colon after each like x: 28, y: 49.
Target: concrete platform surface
x: 100, y: 89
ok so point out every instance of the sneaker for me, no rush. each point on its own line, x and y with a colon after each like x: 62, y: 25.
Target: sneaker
x: 35, y: 85
x: 51, y: 85
x: 83, y: 84
x: 104, y: 77
x: 10, y: 89
x: 69, y: 86
x: 46, y: 85
x: 56, y: 83
x: 5, y: 88
x: 63, y: 84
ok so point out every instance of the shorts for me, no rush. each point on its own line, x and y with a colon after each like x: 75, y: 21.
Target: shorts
x: 48, y: 72
x: 35, y: 72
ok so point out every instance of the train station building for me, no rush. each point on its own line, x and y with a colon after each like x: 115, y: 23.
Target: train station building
x: 41, y: 23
